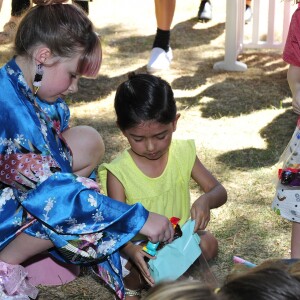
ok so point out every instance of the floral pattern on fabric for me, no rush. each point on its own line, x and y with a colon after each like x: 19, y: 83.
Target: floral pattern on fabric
x: 40, y: 196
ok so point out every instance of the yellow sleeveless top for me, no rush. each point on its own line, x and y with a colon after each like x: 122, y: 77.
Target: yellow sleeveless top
x: 167, y: 194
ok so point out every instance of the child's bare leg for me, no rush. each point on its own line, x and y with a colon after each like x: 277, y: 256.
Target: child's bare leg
x: 208, y: 245
x: 22, y: 248
x: 295, y: 243
x: 87, y: 147
x: 134, y: 281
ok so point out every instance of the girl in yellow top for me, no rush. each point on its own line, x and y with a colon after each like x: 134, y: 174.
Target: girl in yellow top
x: 156, y: 170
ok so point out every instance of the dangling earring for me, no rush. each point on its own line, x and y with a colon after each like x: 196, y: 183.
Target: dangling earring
x: 38, y: 78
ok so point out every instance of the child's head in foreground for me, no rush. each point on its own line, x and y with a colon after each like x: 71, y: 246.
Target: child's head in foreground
x: 272, y: 280
x: 146, y: 114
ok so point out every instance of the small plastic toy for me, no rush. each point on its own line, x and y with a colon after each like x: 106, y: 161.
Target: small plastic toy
x: 242, y: 261
x: 151, y: 248
x: 289, y: 176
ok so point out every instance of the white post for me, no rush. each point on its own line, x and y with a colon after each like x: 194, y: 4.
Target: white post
x: 286, y: 21
x: 231, y: 39
x: 271, y: 23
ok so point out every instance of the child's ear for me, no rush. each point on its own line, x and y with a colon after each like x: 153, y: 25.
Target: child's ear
x: 175, y: 121
x: 41, y: 54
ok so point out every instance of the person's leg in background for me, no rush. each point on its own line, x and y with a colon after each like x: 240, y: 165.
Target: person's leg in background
x: 205, y: 11
x: 18, y: 7
x: 248, y: 11
x: 161, y: 54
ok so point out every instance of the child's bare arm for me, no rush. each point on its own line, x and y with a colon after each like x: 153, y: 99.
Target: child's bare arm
x: 115, y: 189
x: 214, y: 195
x: 293, y: 77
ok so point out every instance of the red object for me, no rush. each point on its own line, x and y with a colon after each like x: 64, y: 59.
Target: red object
x: 174, y: 221
x: 291, y: 53
x: 296, y: 171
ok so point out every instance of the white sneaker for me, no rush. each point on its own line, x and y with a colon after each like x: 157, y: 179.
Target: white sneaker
x: 248, y: 14
x: 205, y: 11
x: 159, y: 60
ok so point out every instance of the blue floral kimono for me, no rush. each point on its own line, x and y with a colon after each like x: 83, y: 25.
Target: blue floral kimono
x: 41, y: 197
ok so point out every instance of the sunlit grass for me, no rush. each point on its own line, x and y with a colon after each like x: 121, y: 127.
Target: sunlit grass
x: 241, y: 123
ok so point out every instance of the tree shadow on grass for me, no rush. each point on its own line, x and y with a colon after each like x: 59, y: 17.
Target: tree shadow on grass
x: 113, y: 139
x: 90, y: 90
x: 136, y: 46
x: 238, y: 94
x: 276, y: 134
x: 183, y: 36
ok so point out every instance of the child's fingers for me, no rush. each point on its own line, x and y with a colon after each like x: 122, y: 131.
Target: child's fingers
x: 143, y: 266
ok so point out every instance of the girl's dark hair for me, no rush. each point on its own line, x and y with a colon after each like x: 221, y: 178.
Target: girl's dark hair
x: 65, y: 29
x: 144, y: 97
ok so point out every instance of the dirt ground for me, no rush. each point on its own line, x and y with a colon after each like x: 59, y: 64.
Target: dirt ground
x: 241, y: 122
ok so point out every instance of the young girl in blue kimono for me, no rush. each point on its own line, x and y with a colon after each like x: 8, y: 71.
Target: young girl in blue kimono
x: 161, y: 168
x: 47, y: 201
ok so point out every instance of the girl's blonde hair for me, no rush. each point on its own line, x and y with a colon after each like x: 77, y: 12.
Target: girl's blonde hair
x: 272, y: 280
x: 65, y: 29
x: 181, y: 290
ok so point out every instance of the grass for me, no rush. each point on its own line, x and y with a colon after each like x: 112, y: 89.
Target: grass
x: 241, y: 123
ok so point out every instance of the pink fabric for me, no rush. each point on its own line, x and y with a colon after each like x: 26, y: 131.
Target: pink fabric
x: 45, y: 270
x: 13, y: 282
x: 291, y: 53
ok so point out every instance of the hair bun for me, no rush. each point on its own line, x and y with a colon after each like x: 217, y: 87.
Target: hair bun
x: 48, y: 2
x: 131, y: 75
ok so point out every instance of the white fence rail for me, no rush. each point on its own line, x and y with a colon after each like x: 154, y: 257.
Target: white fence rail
x: 267, y: 29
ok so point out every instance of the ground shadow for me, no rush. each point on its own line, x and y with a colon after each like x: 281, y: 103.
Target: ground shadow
x: 276, y: 134
x: 90, y: 90
x: 128, y: 47
x: 192, y: 37
x: 113, y: 139
x: 236, y: 94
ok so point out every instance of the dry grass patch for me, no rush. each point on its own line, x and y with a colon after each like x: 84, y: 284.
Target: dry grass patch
x: 241, y: 123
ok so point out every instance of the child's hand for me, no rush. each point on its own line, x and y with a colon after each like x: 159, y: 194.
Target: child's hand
x: 200, y: 212
x: 158, y: 228
x: 137, y: 256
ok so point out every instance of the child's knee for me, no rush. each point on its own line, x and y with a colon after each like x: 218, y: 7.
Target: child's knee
x: 209, y: 245
x: 94, y: 145
x: 87, y: 148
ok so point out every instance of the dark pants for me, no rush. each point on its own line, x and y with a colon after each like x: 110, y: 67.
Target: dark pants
x: 18, y: 7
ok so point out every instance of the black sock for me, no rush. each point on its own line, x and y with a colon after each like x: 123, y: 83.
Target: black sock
x: 162, y: 39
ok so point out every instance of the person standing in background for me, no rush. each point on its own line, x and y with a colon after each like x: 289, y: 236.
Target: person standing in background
x: 205, y: 11
x: 18, y: 7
